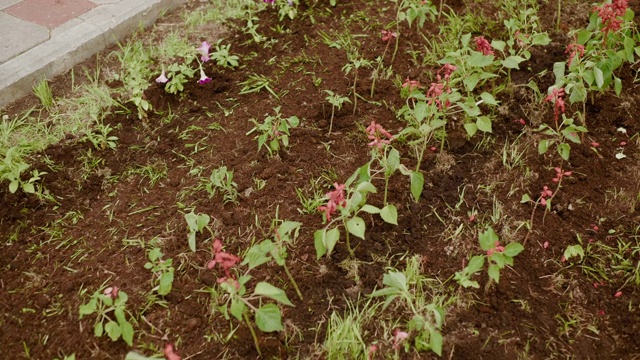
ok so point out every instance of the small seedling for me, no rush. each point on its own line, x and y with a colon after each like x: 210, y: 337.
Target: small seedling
x: 110, y: 307
x: 162, y: 270
x: 274, y: 132
x: 336, y: 101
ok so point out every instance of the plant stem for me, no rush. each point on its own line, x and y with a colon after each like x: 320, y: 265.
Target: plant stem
x: 348, y: 242
x: 355, y: 94
x: 293, y: 282
x: 559, y: 12
x: 333, y: 111
x: 253, y: 333
x: 386, y: 188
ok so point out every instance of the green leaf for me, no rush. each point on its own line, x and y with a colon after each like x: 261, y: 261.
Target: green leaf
x: 113, y: 330
x: 395, y: 280
x: 574, y: 250
x: 512, y: 62
x: 131, y: 355
x: 356, y: 226
x: 370, y: 209
x: 166, y: 281
x: 599, y: 76
x: 389, y: 214
x: 88, y: 308
x: 525, y: 198
x: 98, y: 329
x: 488, y: 239
x: 617, y: 85
x: 494, y: 272
x: 435, y: 342
x: 564, y: 150
x: 471, y: 128
x: 558, y: 71
x: 13, y: 186
x: 393, y: 161
x: 484, y: 124
x: 540, y: 39
x: 417, y: 184
x: 475, y: 264
x: 268, y: 318
x: 498, y: 44
x: 513, y: 249
x: 272, y: 292
x: 127, y: 332
x: 488, y: 99
x: 237, y: 308
x: 543, y: 146
x: 331, y: 238
x: 384, y: 292
x: 318, y: 242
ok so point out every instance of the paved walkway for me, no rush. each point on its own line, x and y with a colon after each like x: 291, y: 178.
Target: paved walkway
x: 43, y: 38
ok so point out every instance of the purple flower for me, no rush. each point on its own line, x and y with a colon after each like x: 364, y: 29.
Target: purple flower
x: 162, y: 78
x: 203, y: 78
x: 290, y: 2
x: 204, y: 50
x: 269, y: 1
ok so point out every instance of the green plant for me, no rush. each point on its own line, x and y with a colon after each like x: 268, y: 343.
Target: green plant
x: 109, y: 306
x: 101, y: 139
x: 256, y: 83
x: 11, y: 169
x: 497, y: 256
x: 196, y: 223
x: 345, y: 333
x: 221, y: 180
x: 358, y: 187
x: 274, y: 131
x: 238, y: 303
x: 355, y: 63
x: 162, y: 271
x: 336, y: 101
x: 223, y: 57
x: 135, y: 70
x: 43, y: 92
x: 284, y: 234
x: 410, y: 288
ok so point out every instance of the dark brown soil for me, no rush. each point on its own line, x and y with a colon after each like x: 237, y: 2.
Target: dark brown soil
x: 55, y: 255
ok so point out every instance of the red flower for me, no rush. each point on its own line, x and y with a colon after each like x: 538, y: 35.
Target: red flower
x: 375, y: 133
x: 224, y: 259
x: 111, y: 292
x: 483, y: 45
x: 496, y: 248
x: 388, y: 35
x: 336, y: 198
x: 170, y: 354
x: 556, y: 96
x: 574, y: 50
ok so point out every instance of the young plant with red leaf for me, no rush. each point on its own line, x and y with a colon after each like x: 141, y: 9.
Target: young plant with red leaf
x: 238, y: 303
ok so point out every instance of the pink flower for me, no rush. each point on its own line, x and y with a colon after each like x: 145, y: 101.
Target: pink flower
x: 388, y: 35
x: 203, y: 78
x: 446, y: 71
x: 618, y: 294
x: 483, y: 45
x: 610, y: 15
x: 375, y: 133
x: 204, y: 50
x: 546, y: 193
x: 111, y: 292
x: 574, y: 50
x: 560, y: 174
x: 162, y: 78
x: 170, y: 354
x: 398, y: 337
x: 372, y: 351
x: 411, y: 85
x: 496, y: 248
x: 556, y: 96
x: 336, y: 198
x: 224, y: 259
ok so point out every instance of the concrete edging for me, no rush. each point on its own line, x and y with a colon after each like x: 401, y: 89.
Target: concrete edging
x: 100, y: 29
